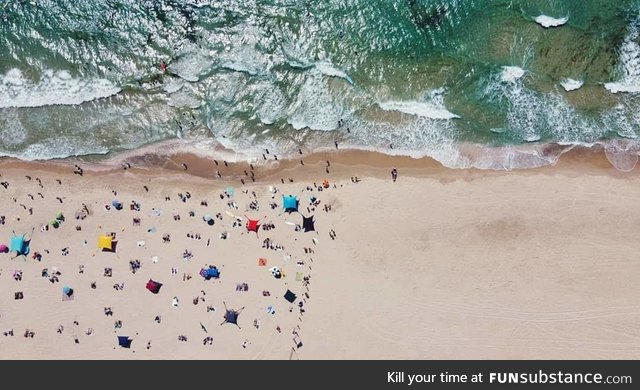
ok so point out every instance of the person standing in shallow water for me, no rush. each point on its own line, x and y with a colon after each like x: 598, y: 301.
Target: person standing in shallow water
x: 394, y: 174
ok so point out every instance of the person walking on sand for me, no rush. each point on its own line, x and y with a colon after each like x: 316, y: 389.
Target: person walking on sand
x: 394, y: 174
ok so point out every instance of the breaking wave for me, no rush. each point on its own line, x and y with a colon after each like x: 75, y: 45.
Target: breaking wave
x: 51, y: 88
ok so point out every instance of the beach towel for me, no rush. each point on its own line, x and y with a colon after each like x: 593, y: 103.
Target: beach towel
x: 262, y: 262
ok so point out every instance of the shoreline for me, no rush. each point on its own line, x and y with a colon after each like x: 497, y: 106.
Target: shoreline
x: 164, y: 158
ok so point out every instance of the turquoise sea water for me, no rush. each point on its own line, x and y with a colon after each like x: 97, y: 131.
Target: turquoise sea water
x: 419, y: 77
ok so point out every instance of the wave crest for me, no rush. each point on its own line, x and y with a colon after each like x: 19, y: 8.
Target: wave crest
x: 53, y: 88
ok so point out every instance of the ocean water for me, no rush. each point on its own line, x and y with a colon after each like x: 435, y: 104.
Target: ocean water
x: 471, y: 83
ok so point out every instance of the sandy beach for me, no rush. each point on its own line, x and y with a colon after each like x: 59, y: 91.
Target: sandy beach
x: 456, y: 264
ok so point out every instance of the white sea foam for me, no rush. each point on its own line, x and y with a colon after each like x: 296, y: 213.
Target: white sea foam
x: 173, y: 85
x: 548, y: 21
x: 185, y: 97
x: 511, y: 74
x: 270, y: 103
x: 328, y: 69
x: 532, y: 115
x: 52, y: 88
x: 571, y: 84
x: 315, y: 106
x: 199, y: 3
x: 629, y: 62
x: 423, y: 109
x: 191, y: 65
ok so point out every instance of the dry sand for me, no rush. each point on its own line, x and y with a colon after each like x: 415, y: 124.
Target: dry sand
x: 441, y: 264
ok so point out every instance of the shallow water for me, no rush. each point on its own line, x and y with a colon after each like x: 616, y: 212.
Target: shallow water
x: 422, y: 76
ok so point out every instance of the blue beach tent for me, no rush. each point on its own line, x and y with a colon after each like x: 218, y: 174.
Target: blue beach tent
x: 290, y: 203
x: 124, y: 341
x: 19, y: 244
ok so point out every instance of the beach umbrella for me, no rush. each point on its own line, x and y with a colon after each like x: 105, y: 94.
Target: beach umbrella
x: 290, y: 296
x: 153, y: 286
x: 230, y: 191
x: 275, y: 271
x: 208, y: 219
x: 54, y: 223
x: 60, y: 216
x: 67, y: 293
x: 124, y: 341
x: 4, y: 248
x: 115, y: 203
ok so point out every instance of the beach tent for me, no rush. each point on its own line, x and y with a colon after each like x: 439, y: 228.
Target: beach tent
x: 116, y: 204
x: 231, y: 316
x: 153, y: 286
x: 208, y: 219
x: 19, y: 244
x: 253, y: 225
x: 106, y: 243
x: 67, y: 293
x: 308, y: 224
x: 124, y: 341
x: 290, y: 203
x: 211, y: 272
x: 290, y: 296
